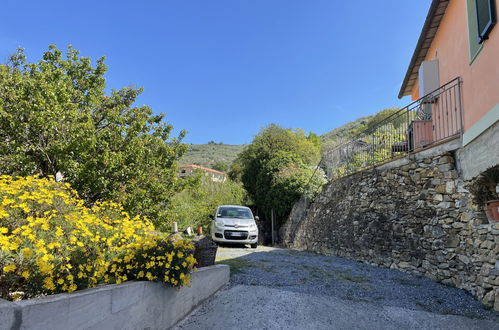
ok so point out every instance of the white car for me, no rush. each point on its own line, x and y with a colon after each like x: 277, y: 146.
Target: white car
x: 234, y: 224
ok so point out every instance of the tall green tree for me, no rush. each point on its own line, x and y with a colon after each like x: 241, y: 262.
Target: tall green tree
x: 276, y: 168
x: 56, y: 117
x: 194, y: 204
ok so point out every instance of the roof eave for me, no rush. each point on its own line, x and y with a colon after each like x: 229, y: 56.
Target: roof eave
x: 430, y: 27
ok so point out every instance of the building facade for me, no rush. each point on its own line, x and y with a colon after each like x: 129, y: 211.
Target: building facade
x: 214, y: 175
x: 460, y: 42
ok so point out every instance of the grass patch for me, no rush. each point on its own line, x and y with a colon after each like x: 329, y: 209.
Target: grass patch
x: 355, y: 279
x: 267, y: 269
x: 349, y: 296
x: 424, y: 306
x: 236, y: 265
x: 407, y: 282
x: 333, y: 274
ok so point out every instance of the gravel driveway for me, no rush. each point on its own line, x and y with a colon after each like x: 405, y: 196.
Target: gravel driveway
x: 273, y: 288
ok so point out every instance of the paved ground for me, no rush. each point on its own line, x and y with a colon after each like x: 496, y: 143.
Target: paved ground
x: 282, y: 289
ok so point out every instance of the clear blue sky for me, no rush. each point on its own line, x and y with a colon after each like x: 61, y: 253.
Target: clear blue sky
x: 222, y: 69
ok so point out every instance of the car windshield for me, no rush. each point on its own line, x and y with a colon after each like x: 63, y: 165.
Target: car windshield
x: 234, y: 212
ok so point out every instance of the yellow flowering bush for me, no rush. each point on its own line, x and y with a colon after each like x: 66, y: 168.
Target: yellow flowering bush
x: 50, y: 242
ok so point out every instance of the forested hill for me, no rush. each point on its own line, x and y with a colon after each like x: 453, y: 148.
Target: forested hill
x: 220, y: 156
x: 211, y: 154
x: 344, y: 132
x: 349, y: 130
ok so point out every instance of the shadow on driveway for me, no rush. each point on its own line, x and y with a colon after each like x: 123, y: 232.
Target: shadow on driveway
x: 346, y: 279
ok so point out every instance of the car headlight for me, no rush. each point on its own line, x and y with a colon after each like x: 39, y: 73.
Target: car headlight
x: 219, y: 224
x: 253, y: 227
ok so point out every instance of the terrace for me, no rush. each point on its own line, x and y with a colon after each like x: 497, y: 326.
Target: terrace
x: 431, y: 120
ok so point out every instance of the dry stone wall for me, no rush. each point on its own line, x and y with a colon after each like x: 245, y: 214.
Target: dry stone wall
x: 419, y: 217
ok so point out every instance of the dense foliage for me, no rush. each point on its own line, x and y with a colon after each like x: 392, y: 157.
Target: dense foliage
x: 276, y: 167
x: 193, y: 206
x: 56, y: 117
x: 212, y: 155
x: 50, y: 242
x: 350, y: 130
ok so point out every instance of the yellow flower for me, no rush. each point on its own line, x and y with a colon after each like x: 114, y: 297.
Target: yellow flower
x: 9, y: 268
x: 48, y: 283
x: 59, y: 232
x: 27, y: 252
x: 25, y: 274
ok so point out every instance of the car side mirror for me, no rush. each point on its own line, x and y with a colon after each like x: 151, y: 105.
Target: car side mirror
x: 257, y: 218
x: 212, y: 217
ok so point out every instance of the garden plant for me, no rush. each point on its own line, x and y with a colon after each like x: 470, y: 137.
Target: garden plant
x: 51, y: 242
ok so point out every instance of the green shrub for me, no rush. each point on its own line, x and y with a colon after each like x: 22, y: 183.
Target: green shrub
x: 50, y: 242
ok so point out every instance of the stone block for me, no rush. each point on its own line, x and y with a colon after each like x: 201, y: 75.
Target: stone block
x: 446, y: 160
x: 445, y: 205
x: 404, y: 264
x: 441, y: 189
x: 453, y: 241
x: 489, y: 298
x: 450, y: 187
x: 464, y: 259
x: 438, y: 197
x: 487, y: 245
x: 445, y: 167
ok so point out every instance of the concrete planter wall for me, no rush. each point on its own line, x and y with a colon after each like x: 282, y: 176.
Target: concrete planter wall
x: 131, y: 305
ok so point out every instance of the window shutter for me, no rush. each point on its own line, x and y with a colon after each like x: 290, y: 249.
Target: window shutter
x: 486, y: 18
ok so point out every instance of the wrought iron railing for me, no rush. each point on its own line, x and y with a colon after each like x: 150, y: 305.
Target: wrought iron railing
x: 432, y: 119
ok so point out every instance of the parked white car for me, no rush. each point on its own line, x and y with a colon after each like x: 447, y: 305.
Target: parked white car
x: 234, y: 224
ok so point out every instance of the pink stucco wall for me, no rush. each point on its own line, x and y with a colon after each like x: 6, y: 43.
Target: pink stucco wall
x: 480, y: 88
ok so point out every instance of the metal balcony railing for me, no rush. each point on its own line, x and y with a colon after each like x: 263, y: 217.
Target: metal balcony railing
x: 434, y: 118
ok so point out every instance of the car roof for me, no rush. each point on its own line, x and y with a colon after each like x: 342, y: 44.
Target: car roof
x: 245, y: 207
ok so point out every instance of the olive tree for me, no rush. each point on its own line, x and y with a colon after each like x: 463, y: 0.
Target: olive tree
x: 55, y: 116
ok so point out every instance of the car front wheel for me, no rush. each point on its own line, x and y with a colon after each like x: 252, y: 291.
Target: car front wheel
x: 253, y: 246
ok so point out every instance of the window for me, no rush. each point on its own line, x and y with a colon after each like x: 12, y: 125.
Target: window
x: 486, y: 18
x: 481, y: 20
x: 475, y: 45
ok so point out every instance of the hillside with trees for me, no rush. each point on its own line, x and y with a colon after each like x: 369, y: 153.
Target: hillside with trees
x: 220, y: 156
x: 214, y: 155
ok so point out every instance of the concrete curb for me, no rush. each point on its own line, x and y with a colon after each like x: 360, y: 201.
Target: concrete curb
x: 131, y: 305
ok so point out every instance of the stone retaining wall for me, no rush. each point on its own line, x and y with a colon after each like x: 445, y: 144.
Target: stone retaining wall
x: 131, y: 305
x: 418, y: 217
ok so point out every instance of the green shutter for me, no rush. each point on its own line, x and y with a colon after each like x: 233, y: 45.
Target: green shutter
x: 473, y: 38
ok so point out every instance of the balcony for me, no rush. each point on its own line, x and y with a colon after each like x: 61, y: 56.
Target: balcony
x: 433, y: 119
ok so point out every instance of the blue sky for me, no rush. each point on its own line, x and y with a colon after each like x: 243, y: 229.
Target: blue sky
x: 222, y: 69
